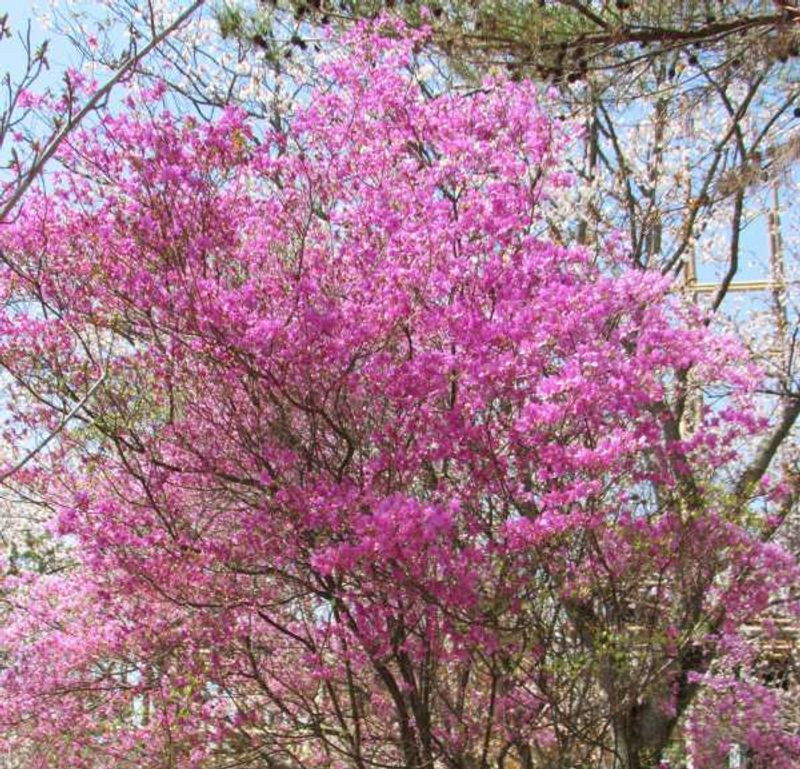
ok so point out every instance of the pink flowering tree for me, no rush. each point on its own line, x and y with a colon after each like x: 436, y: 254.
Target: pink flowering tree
x: 356, y: 467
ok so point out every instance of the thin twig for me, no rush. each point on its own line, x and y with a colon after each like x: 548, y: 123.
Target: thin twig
x: 67, y: 418
x: 96, y: 99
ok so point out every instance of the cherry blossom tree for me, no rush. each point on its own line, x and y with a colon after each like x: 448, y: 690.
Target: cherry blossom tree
x: 357, y: 466
x: 690, y: 114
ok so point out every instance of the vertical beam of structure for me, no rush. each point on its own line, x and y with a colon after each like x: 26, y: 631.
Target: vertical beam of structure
x: 778, y: 277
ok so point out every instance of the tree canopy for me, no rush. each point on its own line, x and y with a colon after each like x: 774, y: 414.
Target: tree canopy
x: 364, y: 445
x: 363, y: 424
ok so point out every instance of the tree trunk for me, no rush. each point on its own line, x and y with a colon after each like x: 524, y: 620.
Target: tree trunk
x: 642, y: 736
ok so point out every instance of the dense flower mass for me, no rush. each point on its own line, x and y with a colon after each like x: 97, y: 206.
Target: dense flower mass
x: 376, y: 474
